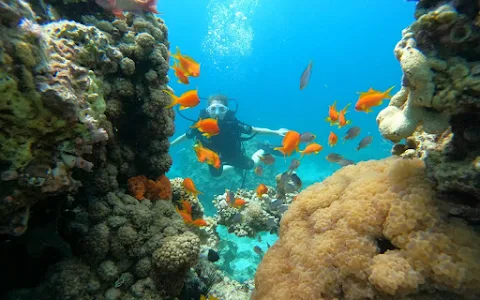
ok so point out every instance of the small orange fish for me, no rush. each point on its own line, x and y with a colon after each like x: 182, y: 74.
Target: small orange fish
x: 208, y: 127
x: 371, y: 98
x: 207, y: 155
x: 182, y: 77
x: 188, y: 99
x: 188, y: 64
x: 332, y: 114
x: 311, y: 148
x: 341, y: 117
x: 258, y: 170
x: 199, y: 222
x: 332, y: 139
x: 239, y: 203
x: 190, y: 187
x: 290, y: 143
x: 261, y: 189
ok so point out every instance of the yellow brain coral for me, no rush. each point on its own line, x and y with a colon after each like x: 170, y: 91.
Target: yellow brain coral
x: 370, y: 231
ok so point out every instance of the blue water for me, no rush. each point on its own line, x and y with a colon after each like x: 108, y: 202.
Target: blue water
x: 255, y: 51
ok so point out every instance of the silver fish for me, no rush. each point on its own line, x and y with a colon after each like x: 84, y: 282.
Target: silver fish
x: 365, y: 142
x: 334, y: 157
x: 305, y: 78
x: 307, y: 137
x: 352, y: 133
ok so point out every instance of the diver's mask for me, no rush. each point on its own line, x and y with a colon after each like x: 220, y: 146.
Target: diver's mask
x: 217, y: 111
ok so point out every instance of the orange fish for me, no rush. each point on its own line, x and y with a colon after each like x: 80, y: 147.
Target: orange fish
x: 261, y: 189
x: 341, y: 117
x: 208, y: 127
x: 332, y: 139
x: 332, y: 114
x: 239, y: 203
x: 182, y: 77
x: 207, y: 155
x: 188, y: 99
x: 186, y: 213
x: 188, y: 64
x: 190, y: 187
x: 371, y: 98
x: 290, y: 142
x: 311, y: 148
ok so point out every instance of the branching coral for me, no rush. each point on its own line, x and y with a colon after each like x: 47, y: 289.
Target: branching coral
x: 371, y: 230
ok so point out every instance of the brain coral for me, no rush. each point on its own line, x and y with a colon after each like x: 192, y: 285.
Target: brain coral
x: 371, y: 231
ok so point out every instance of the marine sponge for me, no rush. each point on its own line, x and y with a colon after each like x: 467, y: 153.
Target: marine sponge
x: 370, y: 230
x: 141, y: 187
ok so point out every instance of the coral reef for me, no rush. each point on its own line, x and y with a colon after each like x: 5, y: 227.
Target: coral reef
x: 371, y: 230
x: 256, y: 215
x: 125, y: 247
x: 438, y: 109
x: 65, y: 88
x: 438, y: 55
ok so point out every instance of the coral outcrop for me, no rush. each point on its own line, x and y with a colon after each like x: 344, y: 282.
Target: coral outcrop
x: 438, y: 107
x: 438, y: 54
x: 65, y: 88
x: 371, y: 231
x: 126, y: 248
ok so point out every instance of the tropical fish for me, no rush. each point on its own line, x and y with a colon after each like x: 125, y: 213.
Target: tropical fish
x: 311, y: 148
x: 267, y: 159
x: 371, y: 98
x: 186, y: 213
x: 261, y: 189
x: 365, y: 142
x: 237, y: 218
x: 188, y: 99
x: 258, y: 250
x: 307, y: 137
x: 294, y: 164
x: 334, y: 157
x: 332, y: 139
x: 341, y: 117
x: 259, y: 238
x: 208, y: 127
x: 275, y: 204
x: 190, y: 187
x: 182, y: 77
x: 117, y: 7
x: 351, y: 133
x: 229, y: 196
x: 305, y: 78
x: 258, y: 170
x: 188, y: 64
x: 211, y: 255
x: 290, y: 142
x: 297, y: 182
x: 238, y: 203
x: 332, y: 114
x: 207, y: 155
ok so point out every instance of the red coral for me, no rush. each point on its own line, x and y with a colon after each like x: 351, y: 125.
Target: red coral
x: 141, y: 187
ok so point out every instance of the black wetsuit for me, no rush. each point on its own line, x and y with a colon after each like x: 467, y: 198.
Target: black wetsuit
x: 228, y: 143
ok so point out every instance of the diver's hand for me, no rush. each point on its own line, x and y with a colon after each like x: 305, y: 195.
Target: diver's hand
x: 282, y: 131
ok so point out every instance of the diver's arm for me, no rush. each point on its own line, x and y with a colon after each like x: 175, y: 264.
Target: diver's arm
x: 259, y: 130
x: 179, y: 139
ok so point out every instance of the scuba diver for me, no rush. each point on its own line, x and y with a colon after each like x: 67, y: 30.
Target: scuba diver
x: 229, y: 142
